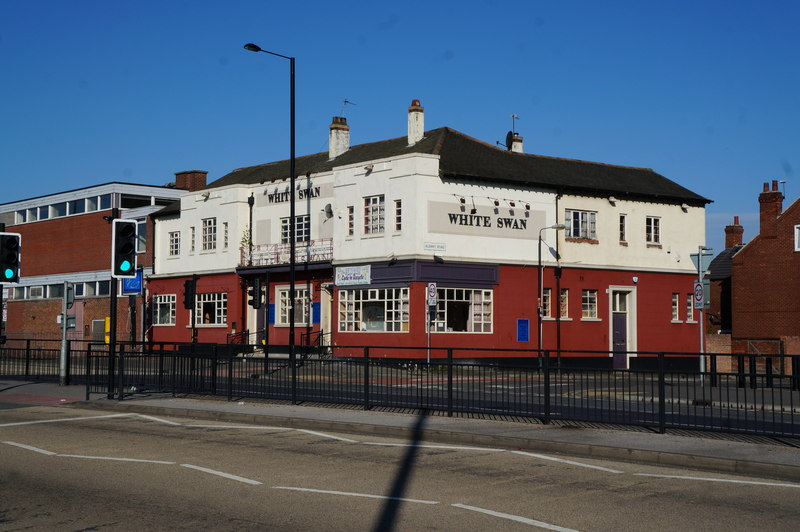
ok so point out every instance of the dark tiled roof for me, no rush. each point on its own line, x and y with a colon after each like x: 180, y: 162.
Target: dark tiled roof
x: 720, y: 267
x: 463, y: 157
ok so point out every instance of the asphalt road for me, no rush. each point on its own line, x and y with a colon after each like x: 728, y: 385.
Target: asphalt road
x: 77, y: 469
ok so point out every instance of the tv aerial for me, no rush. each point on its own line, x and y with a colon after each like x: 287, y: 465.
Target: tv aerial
x: 511, y: 134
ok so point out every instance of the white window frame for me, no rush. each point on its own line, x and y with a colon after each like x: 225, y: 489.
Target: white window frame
x: 547, y: 303
x: 563, y: 304
x: 302, y: 305
x: 623, y: 236
x: 209, y: 234
x: 690, y: 308
x: 797, y: 237
x: 652, y: 230
x: 374, y: 214
x: 302, y: 229
x: 589, y: 305
x: 398, y: 215
x: 480, y: 311
x: 355, y: 307
x: 581, y: 224
x: 217, y: 305
x: 141, y: 236
x: 192, y: 239
x: 164, y: 306
x: 174, y: 243
x: 676, y: 307
x: 351, y: 220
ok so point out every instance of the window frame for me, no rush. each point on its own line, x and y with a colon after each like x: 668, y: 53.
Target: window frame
x: 302, y: 229
x: 375, y: 214
x: 395, y: 302
x: 208, y: 237
x: 302, y: 304
x: 581, y: 224
x: 161, y: 301
x: 589, y: 304
x: 676, y: 307
x: 174, y: 243
x: 219, y: 302
x: 448, y: 308
x: 652, y: 230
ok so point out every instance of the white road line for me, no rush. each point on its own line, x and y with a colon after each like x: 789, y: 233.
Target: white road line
x: 253, y: 427
x: 751, y: 482
x: 158, y: 419
x: 563, y: 461
x: 224, y: 475
x: 350, y: 494
x: 115, y: 459
x: 516, y: 518
x: 453, y: 447
x: 327, y: 435
x: 62, y: 419
x: 30, y: 448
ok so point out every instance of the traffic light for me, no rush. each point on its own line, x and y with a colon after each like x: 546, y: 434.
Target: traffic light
x: 9, y: 257
x: 188, y: 294
x: 254, y: 291
x: 123, y: 249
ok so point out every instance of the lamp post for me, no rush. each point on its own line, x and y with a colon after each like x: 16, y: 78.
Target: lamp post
x: 557, y: 227
x: 255, y: 48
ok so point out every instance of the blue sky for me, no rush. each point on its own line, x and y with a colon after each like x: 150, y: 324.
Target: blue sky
x: 705, y: 93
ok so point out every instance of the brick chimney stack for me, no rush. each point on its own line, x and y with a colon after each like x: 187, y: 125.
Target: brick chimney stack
x: 771, y: 202
x: 733, y: 234
x: 416, y: 122
x: 191, y: 180
x: 338, y: 137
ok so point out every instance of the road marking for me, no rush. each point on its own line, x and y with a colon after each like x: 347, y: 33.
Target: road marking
x: 563, y: 461
x: 63, y: 419
x: 224, y: 475
x: 421, y: 446
x: 153, y: 418
x: 115, y: 459
x: 30, y: 448
x: 326, y: 435
x: 516, y: 518
x: 237, y: 427
x: 751, y: 482
x: 350, y: 494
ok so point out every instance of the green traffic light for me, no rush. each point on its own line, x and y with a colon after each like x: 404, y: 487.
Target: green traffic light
x: 8, y: 273
x: 125, y: 266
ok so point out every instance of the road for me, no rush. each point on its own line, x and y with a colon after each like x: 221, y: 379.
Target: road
x: 72, y: 469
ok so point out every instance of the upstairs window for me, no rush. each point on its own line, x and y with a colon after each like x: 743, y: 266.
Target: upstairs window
x: 209, y: 236
x: 652, y: 230
x: 374, y: 212
x: 581, y: 224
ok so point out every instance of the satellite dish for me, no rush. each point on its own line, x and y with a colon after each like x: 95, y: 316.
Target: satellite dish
x: 328, y: 211
x: 509, y: 139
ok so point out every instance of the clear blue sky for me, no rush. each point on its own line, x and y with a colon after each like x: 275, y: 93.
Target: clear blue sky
x: 705, y: 93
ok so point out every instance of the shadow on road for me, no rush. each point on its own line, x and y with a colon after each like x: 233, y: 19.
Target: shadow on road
x: 390, y: 511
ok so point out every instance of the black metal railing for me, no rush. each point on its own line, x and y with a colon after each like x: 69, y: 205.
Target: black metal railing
x: 754, y: 394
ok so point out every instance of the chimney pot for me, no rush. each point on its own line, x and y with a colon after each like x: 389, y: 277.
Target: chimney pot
x: 338, y: 137
x: 733, y: 234
x: 416, y: 122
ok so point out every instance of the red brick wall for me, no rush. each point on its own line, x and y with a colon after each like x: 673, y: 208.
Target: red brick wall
x: 766, y: 283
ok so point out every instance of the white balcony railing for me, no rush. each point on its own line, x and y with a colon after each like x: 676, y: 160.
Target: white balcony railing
x: 320, y: 250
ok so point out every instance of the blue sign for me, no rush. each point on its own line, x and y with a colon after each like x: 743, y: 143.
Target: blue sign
x: 523, y: 330
x: 132, y: 285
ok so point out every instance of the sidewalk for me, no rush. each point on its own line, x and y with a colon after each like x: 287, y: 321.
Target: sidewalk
x: 710, y: 452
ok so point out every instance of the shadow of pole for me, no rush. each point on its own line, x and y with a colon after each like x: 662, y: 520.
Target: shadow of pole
x: 389, y: 514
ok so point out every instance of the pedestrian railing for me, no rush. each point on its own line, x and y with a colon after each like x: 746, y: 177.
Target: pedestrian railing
x: 753, y: 395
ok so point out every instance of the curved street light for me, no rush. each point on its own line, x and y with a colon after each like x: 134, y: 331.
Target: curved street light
x: 292, y: 262
x: 557, y: 227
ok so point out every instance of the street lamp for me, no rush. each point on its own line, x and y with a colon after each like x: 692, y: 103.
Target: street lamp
x: 557, y: 227
x: 255, y: 48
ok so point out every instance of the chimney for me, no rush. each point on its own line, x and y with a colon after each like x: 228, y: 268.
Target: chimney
x: 339, y: 137
x: 191, y: 180
x: 416, y: 122
x: 733, y: 234
x: 771, y: 202
x: 516, y: 143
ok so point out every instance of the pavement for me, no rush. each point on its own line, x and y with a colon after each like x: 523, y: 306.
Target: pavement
x: 721, y: 453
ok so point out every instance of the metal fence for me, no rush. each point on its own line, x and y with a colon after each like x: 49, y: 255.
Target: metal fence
x: 753, y: 395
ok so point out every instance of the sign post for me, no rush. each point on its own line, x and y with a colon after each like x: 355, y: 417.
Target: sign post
x: 701, y: 259
x: 433, y: 300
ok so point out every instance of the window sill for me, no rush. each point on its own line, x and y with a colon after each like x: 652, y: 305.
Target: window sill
x: 209, y: 326
x: 676, y: 321
x: 691, y: 321
x: 163, y: 325
x: 591, y: 319
x: 654, y: 246
x: 564, y: 318
x: 623, y: 243
x: 582, y: 240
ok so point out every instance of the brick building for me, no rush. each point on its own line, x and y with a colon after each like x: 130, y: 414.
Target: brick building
x: 765, y: 281
x: 66, y: 237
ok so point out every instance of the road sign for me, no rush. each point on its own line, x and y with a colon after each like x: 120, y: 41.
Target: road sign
x: 699, y: 297
x: 433, y: 295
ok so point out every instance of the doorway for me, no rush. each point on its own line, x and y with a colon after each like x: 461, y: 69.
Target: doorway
x: 623, y: 325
